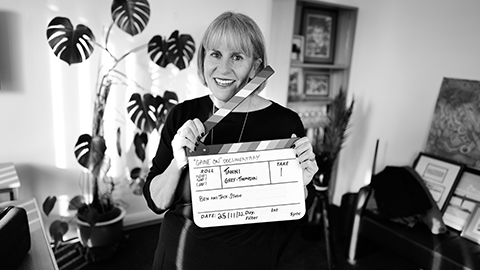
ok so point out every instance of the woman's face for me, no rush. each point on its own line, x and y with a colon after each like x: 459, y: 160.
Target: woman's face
x: 227, y: 71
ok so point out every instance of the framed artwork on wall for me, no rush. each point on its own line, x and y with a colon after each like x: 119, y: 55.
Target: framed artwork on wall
x: 319, y: 28
x: 317, y: 84
x: 453, y: 131
x: 472, y: 228
x: 464, y: 199
x: 295, y: 84
x: 439, y: 175
x: 297, y: 49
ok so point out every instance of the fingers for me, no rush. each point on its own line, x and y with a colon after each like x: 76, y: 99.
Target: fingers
x: 200, y: 128
x: 190, y: 132
x: 304, y: 150
x: 186, y: 138
x: 306, y: 157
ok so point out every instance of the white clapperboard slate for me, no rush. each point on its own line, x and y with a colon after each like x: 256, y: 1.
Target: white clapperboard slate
x: 244, y: 183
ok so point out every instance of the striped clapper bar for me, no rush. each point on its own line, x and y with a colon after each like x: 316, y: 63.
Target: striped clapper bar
x: 244, y: 183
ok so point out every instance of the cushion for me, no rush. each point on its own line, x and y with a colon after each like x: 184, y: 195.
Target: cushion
x: 401, y: 196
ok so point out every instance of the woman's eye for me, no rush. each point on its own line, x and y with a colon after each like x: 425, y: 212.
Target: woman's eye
x: 215, y: 55
x: 237, y: 57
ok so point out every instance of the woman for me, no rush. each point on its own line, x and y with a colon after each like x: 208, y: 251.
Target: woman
x: 231, y: 53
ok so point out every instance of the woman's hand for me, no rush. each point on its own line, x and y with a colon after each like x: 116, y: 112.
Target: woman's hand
x: 186, y: 138
x: 305, y: 156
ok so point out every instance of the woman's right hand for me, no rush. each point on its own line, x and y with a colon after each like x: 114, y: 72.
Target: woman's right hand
x: 186, y: 138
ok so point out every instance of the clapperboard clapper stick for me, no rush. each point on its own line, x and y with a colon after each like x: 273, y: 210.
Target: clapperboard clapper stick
x: 243, y: 183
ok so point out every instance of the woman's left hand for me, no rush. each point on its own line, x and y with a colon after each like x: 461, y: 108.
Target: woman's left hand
x: 305, y: 156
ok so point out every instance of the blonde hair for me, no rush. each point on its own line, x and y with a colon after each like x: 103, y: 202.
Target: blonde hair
x: 239, y: 32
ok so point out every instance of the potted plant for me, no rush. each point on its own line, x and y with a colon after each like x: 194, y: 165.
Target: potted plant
x: 327, y: 143
x: 330, y: 138
x: 95, y: 207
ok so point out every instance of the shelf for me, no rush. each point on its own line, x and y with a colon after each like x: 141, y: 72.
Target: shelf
x: 318, y: 66
x: 288, y: 85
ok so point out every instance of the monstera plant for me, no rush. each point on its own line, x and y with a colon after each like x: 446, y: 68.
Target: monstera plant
x: 75, y: 45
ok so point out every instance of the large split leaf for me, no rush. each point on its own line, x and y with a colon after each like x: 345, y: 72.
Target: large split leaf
x: 72, y: 45
x: 158, y: 51
x: 90, y: 152
x: 180, y: 49
x: 131, y: 16
x: 143, y: 111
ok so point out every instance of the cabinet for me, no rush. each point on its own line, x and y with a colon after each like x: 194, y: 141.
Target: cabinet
x: 289, y: 20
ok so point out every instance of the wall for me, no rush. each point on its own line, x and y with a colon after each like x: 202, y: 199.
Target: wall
x: 46, y: 104
x: 402, y: 51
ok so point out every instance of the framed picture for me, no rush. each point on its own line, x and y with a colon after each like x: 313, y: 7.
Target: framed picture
x: 297, y: 49
x: 439, y: 175
x: 317, y: 84
x: 319, y: 28
x: 295, y: 84
x: 464, y: 199
x: 472, y: 229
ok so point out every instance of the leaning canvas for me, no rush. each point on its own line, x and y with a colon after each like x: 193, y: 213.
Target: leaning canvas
x: 455, y: 128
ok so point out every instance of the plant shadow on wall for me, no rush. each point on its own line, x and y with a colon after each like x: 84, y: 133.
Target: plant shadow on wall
x: 148, y: 112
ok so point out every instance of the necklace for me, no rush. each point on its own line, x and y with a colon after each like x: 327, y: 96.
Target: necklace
x: 243, y: 126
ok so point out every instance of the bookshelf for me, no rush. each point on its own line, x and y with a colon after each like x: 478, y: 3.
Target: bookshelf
x: 307, y: 85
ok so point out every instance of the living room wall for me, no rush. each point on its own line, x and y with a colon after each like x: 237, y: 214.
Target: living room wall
x: 402, y: 51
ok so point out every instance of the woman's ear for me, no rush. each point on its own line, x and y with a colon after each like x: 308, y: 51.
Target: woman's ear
x: 255, y: 68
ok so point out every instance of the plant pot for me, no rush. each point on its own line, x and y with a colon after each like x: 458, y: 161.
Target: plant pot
x: 104, y: 233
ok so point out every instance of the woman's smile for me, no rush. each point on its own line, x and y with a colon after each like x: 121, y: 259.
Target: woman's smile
x: 224, y: 82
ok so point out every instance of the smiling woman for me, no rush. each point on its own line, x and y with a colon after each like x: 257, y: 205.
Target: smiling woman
x: 231, y: 53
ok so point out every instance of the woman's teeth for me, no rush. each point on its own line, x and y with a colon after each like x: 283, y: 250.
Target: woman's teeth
x: 223, y: 82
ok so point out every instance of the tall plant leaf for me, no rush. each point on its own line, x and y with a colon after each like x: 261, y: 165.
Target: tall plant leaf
x: 338, y: 124
x: 131, y: 16
x: 170, y: 99
x: 158, y: 51
x: 72, y: 45
x: 57, y: 230
x: 90, y: 152
x: 48, y: 204
x: 140, y: 142
x: 143, y: 111
x: 118, y: 143
x: 180, y: 49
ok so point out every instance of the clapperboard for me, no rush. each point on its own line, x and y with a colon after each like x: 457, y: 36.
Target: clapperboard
x: 244, y: 183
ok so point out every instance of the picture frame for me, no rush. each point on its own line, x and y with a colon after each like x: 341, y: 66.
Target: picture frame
x: 295, y: 84
x: 472, y: 228
x: 317, y: 84
x: 464, y: 199
x: 297, y: 49
x: 440, y: 176
x: 319, y: 31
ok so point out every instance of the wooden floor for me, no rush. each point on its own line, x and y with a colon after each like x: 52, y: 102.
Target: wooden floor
x: 306, y: 251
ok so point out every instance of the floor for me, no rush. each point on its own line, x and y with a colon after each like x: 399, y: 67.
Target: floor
x: 306, y: 251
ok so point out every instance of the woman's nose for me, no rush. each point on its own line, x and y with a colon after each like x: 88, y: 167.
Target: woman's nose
x: 224, y: 66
